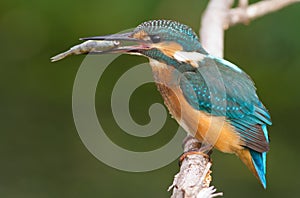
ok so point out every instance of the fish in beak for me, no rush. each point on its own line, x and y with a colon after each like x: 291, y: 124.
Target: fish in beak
x: 114, y: 43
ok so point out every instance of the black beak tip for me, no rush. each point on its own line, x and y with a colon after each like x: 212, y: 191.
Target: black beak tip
x: 91, y: 38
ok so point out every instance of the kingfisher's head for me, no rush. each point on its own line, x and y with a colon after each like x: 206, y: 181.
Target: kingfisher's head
x: 162, y: 40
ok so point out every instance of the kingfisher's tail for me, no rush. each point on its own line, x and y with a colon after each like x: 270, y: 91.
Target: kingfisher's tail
x: 256, y: 162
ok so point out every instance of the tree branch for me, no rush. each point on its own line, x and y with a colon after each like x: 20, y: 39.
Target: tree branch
x: 212, y: 26
x: 240, y: 14
x: 193, y: 180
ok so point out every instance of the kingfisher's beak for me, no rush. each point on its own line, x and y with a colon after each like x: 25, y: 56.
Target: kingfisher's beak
x: 127, y: 43
x: 113, y: 37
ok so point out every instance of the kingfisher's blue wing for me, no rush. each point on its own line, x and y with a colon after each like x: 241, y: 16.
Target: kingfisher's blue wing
x: 220, y: 88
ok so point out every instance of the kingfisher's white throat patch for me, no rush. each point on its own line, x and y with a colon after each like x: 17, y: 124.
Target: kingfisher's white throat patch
x: 189, y: 57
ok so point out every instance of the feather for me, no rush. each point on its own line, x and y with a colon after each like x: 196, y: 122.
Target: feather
x: 222, y: 90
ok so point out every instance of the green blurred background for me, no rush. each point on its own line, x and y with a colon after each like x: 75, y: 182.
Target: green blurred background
x: 41, y: 152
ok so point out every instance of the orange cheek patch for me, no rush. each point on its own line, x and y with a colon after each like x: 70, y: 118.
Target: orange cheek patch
x: 141, y: 35
x: 168, y: 48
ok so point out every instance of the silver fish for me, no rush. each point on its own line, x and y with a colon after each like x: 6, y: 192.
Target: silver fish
x: 87, y: 47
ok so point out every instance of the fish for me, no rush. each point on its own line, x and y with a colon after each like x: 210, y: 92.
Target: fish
x: 89, y: 46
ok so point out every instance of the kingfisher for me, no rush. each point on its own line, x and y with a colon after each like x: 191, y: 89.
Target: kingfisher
x: 211, y: 98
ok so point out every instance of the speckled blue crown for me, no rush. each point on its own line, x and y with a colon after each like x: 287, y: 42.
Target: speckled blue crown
x: 169, y: 30
x: 169, y: 26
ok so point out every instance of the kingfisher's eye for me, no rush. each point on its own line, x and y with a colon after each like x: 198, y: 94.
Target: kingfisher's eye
x: 155, y: 38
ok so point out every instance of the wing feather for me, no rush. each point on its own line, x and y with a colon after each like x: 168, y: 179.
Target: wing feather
x: 222, y: 90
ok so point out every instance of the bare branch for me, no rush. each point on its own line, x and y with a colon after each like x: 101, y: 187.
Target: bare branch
x: 212, y: 27
x: 240, y: 14
x: 243, y: 3
x: 194, y: 178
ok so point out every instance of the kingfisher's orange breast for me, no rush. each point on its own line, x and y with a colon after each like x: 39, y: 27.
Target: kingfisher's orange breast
x: 214, y: 130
